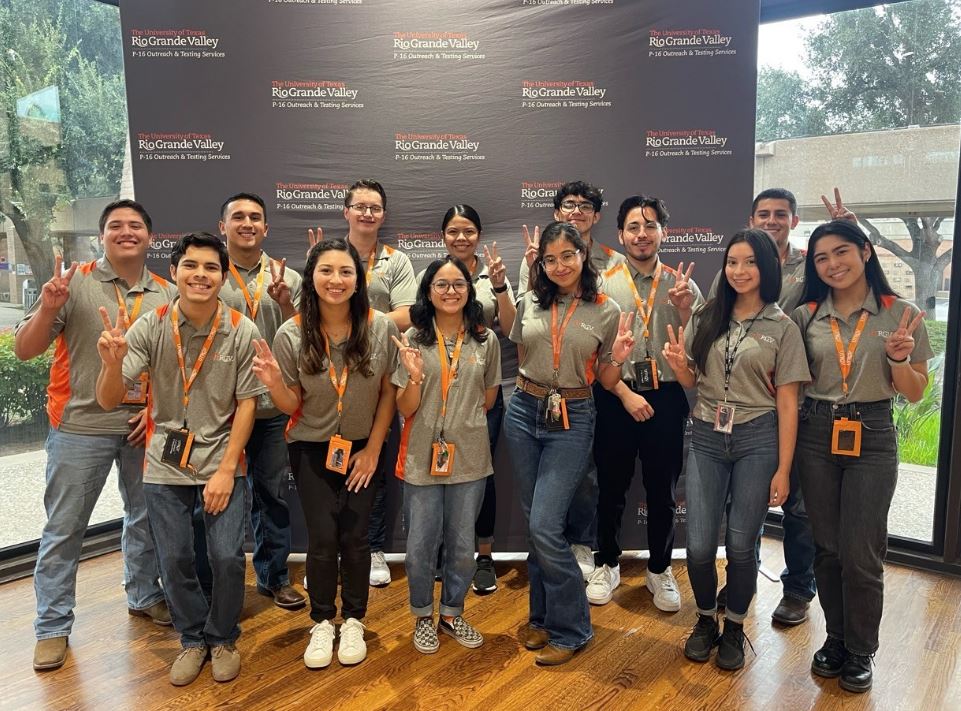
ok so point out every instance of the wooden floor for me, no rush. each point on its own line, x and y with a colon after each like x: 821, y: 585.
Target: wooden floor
x: 635, y: 661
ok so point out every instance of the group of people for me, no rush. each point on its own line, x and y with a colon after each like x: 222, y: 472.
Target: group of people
x: 243, y: 366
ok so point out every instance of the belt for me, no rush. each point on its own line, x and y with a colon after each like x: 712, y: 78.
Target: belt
x: 538, y: 390
x: 850, y: 409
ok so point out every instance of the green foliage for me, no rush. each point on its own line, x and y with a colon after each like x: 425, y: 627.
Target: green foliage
x: 922, y: 448
x: 786, y: 107
x: 918, y: 423
x: 937, y: 335
x: 23, y: 384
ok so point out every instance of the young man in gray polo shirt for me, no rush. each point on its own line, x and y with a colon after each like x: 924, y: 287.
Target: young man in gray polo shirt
x: 199, y: 354
x: 83, y: 442
x: 268, y: 293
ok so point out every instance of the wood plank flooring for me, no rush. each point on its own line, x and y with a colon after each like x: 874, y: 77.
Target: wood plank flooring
x: 635, y: 662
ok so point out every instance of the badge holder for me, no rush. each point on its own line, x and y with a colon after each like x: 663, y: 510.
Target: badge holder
x: 178, y: 447
x: 645, y: 375
x: 442, y: 457
x: 137, y: 392
x: 724, y: 418
x: 846, y: 437
x: 555, y: 412
x: 338, y: 454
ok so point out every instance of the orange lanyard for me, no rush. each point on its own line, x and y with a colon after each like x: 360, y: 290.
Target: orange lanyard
x: 340, y: 386
x: 557, y: 337
x: 253, y: 304
x: 845, y: 359
x: 198, y: 364
x: 370, y: 265
x: 128, y: 318
x: 448, y: 371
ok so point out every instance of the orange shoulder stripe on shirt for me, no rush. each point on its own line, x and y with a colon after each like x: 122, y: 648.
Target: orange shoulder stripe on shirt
x: 370, y: 315
x: 159, y: 279
x: 614, y: 270
x: 669, y: 270
x: 812, y: 306
x: 390, y: 250
x: 87, y: 268
x: 161, y: 311
x: 601, y: 298
x: 235, y: 317
x: 297, y: 319
x: 58, y: 389
x: 887, y: 300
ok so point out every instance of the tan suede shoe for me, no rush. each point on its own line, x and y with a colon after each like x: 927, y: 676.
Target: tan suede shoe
x: 50, y: 653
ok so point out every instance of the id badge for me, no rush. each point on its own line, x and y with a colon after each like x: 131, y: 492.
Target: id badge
x: 338, y: 454
x: 724, y: 418
x: 177, y: 449
x: 137, y: 393
x: 555, y: 413
x: 846, y: 437
x: 645, y: 374
x: 442, y: 458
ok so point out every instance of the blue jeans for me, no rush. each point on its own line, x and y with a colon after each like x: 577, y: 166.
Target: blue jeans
x: 198, y: 621
x: 582, y: 517
x: 435, y: 514
x: 77, y: 467
x: 798, y: 575
x: 739, y: 465
x: 267, y: 468
x: 548, y: 468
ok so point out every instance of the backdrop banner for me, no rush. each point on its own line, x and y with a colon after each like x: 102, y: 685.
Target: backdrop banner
x: 492, y: 103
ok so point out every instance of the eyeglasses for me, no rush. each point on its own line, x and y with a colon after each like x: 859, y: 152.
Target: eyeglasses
x: 568, y: 259
x: 586, y: 208
x: 361, y: 209
x: 442, y: 286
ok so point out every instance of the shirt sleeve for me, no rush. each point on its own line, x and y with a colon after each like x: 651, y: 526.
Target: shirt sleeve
x: 137, y: 359
x: 714, y: 284
x: 403, y: 286
x: 791, y: 365
x: 392, y: 356
x: 58, y: 323
x: 523, y: 277
x: 517, y: 330
x: 248, y: 385
x: 492, y: 374
x: 296, y: 286
x: 698, y: 296
x: 287, y: 354
x: 610, y: 321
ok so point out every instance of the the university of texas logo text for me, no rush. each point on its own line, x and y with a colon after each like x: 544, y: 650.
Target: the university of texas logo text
x: 539, y: 193
x: 309, y: 197
x: 574, y: 94
x: 697, y: 42
x: 687, y: 241
x: 179, y: 146
x: 162, y: 244
x: 422, y: 246
x: 412, y: 146
x: 435, y: 46
x: 174, y: 43
x: 313, y: 94
x: 685, y: 143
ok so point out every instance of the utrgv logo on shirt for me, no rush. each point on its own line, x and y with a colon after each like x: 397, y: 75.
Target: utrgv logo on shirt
x: 586, y: 326
x: 222, y: 357
x: 767, y: 339
x: 882, y: 334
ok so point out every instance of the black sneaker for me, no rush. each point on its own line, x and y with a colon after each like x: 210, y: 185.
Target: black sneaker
x: 704, y: 637
x: 856, y: 673
x: 485, y: 580
x: 730, y: 652
x: 830, y: 658
x: 722, y: 598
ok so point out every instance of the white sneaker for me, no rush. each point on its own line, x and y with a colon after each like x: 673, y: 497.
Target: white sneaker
x: 305, y: 582
x: 320, y: 649
x: 602, y: 583
x: 379, y: 572
x: 664, y: 588
x: 352, y: 648
x: 585, y: 559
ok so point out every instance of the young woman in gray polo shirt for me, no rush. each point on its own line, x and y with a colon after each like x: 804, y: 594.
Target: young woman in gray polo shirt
x: 567, y: 334
x: 864, y: 346
x: 448, y: 378
x: 747, y: 360
x: 330, y: 371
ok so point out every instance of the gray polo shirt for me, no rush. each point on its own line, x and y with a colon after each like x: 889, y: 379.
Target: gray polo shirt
x: 269, y: 316
x: 870, y: 379
x: 483, y: 289
x: 602, y: 257
x: 771, y: 354
x: 392, y: 283
x: 466, y: 423
x: 71, y: 393
x: 617, y: 284
x: 225, y: 377
x: 589, y: 337
x: 316, y: 419
x: 792, y: 280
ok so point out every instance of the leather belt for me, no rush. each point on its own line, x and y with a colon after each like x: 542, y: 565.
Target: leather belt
x: 538, y: 390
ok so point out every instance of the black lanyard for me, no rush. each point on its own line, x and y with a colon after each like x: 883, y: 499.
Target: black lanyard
x: 730, y: 355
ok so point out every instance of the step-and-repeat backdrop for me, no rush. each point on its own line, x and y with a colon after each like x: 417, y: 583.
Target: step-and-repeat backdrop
x: 491, y: 103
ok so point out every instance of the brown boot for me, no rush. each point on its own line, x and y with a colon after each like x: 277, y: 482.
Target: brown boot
x: 534, y: 638
x: 551, y: 656
x: 157, y: 613
x: 50, y: 653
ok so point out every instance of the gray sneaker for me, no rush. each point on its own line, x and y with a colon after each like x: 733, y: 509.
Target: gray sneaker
x: 425, y: 636
x: 225, y: 662
x: 187, y: 665
x: 461, y: 630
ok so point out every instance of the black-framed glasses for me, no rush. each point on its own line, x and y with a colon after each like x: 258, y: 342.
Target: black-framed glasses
x: 442, y: 286
x: 568, y: 259
x: 361, y: 209
x: 586, y: 208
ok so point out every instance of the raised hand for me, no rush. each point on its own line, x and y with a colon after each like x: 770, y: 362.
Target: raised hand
x: 112, y: 346
x: 411, y: 358
x: 674, y: 350
x: 900, y: 344
x: 681, y: 294
x: 55, y: 292
x: 313, y: 238
x: 495, y: 266
x: 265, y: 366
x: 624, y: 343
x: 278, y: 289
x: 531, y: 245
x: 837, y: 211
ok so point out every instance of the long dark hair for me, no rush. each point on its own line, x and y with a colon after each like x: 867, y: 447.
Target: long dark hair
x: 816, y: 290
x: 545, y: 290
x: 714, y: 318
x: 422, y: 312
x: 312, y: 342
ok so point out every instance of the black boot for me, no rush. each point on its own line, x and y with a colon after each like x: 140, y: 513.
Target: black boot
x: 830, y: 658
x: 704, y: 637
x: 730, y: 653
x: 856, y: 673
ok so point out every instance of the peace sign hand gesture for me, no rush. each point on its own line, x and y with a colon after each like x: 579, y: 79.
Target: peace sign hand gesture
x: 265, y: 366
x: 495, y: 266
x: 55, y: 292
x: 112, y: 346
x: 278, y: 289
x: 531, y: 245
x: 837, y: 211
x: 681, y: 294
x: 411, y: 358
x: 624, y: 343
x: 674, y: 350
x: 313, y: 238
x: 900, y: 344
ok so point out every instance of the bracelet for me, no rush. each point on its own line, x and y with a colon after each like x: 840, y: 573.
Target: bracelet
x: 499, y: 289
x: 891, y: 360
x: 615, y: 363
x: 416, y: 382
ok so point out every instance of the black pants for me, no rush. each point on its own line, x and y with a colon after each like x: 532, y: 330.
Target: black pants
x: 337, y: 522
x: 659, y: 444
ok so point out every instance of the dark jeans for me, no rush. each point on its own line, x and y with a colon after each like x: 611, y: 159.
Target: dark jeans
x: 739, y: 465
x: 659, y: 443
x: 377, y: 528
x: 171, y: 510
x: 337, y: 525
x: 847, y: 500
x: 484, y: 527
x: 269, y: 516
x: 797, y: 578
